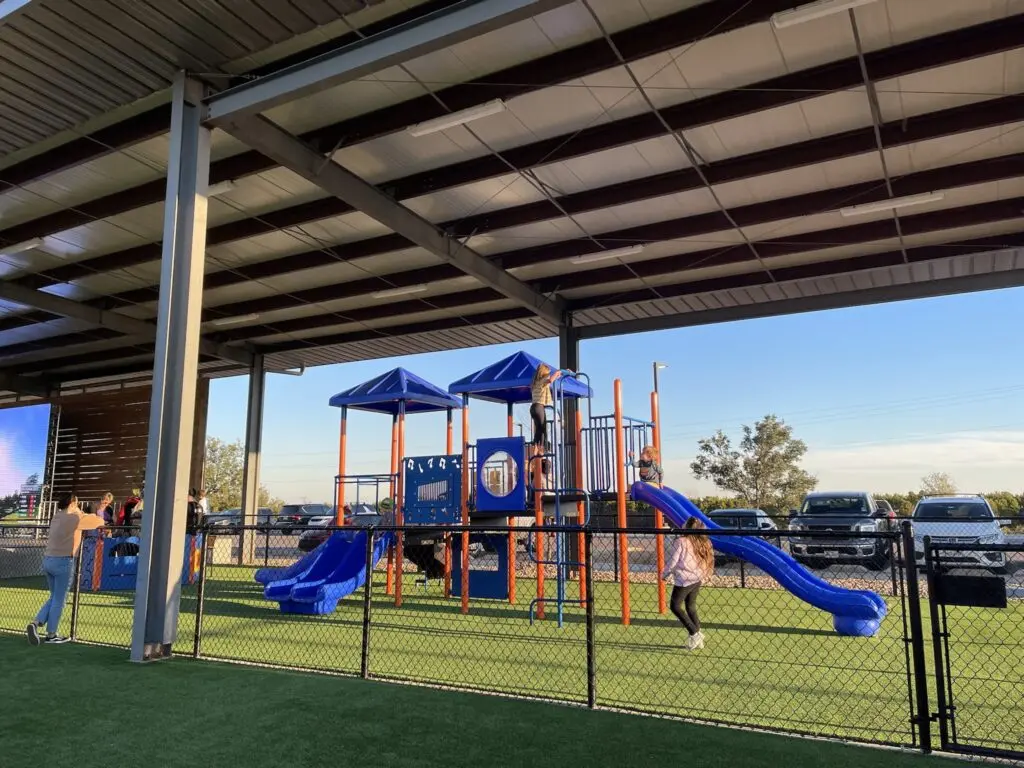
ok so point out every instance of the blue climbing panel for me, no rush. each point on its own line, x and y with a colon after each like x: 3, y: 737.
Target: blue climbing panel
x: 501, y: 475
x: 484, y: 583
x: 433, y: 490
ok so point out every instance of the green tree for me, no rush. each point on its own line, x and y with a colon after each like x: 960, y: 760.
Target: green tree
x: 937, y: 484
x: 764, y: 471
x: 223, y: 472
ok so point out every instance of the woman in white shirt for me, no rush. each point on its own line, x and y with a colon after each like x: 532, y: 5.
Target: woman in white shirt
x: 691, y: 563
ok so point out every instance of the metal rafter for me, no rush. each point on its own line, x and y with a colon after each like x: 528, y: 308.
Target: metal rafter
x: 947, y: 122
x: 22, y: 385
x: 434, y: 32
x: 288, y: 150
x: 58, y: 305
x: 635, y: 43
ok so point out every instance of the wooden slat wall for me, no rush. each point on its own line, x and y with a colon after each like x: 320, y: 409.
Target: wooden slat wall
x: 101, y: 444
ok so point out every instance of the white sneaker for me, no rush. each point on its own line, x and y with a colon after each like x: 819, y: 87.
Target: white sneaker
x: 691, y: 643
x: 698, y: 641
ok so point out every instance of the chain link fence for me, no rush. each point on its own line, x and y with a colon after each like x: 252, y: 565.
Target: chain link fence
x: 588, y: 624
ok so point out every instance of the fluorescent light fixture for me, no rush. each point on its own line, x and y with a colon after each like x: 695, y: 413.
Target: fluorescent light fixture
x: 222, y: 321
x: 390, y: 293
x: 220, y: 188
x: 892, y: 205
x: 28, y: 245
x: 812, y: 11
x: 461, y: 117
x: 588, y: 258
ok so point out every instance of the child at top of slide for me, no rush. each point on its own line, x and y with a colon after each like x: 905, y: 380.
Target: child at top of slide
x: 649, y: 469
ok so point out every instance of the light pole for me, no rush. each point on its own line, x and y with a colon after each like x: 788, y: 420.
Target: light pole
x: 657, y: 367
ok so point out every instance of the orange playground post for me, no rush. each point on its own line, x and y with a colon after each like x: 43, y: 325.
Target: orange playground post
x: 511, y: 524
x: 389, y: 585
x: 659, y: 519
x: 97, y: 562
x: 466, y: 479
x: 620, y: 474
x: 537, y: 470
x: 339, y: 510
x: 399, y: 515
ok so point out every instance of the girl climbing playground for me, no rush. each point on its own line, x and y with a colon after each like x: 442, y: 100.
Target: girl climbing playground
x: 540, y: 398
x: 691, y: 564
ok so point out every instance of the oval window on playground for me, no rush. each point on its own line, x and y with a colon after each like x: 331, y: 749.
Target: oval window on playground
x: 500, y: 474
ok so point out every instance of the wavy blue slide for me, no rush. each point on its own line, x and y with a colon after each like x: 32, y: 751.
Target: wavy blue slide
x: 854, y: 612
x: 338, y: 572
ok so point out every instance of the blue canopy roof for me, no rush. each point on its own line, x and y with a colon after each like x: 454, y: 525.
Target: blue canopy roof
x: 508, y: 381
x: 384, y: 393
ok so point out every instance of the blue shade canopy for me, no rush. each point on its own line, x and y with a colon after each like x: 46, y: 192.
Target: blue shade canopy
x: 384, y: 394
x: 508, y: 381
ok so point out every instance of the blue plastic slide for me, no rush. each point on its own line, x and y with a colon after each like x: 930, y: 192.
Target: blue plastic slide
x: 266, y: 575
x: 854, y: 612
x: 338, y: 572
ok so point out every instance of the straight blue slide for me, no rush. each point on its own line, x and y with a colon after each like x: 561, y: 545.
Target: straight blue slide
x: 337, y: 573
x: 854, y: 612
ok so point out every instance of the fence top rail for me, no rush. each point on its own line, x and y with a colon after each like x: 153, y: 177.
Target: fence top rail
x: 938, y: 546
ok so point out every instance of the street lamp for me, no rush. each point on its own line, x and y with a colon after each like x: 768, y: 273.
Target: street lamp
x: 658, y: 367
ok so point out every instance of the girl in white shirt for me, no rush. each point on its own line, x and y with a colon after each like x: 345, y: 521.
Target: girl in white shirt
x: 691, y: 563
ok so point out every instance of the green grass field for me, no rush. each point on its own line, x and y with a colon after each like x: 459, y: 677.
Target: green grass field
x: 771, y: 661
x: 87, y: 707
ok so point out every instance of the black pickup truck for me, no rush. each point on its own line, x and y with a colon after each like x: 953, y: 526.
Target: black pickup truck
x: 848, y: 514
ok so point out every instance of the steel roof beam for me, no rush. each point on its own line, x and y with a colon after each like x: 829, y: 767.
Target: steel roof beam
x: 22, y: 385
x: 635, y: 43
x: 58, y: 305
x: 946, y: 122
x: 988, y: 281
x: 436, y: 31
x: 288, y: 150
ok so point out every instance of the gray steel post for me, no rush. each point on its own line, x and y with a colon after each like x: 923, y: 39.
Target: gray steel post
x: 253, y: 453
x: 175, y: 373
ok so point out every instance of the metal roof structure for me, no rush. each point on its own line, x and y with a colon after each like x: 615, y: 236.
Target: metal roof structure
x: 633, y: 165
x: 384, y: 394
x: 509, y: 379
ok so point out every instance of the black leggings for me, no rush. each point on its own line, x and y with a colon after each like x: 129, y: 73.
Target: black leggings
x: 540, y: 423
x: 684, y: 606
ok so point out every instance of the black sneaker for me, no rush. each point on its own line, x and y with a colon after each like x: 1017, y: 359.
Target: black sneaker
x: 56, y: 639
x: 32, y: 630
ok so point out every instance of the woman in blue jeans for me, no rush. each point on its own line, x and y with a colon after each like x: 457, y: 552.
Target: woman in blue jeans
x: 65, y: 537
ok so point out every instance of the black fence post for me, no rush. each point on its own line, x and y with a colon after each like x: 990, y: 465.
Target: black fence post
x: 77, y: 587
x: 588, y: 559
x: 938, y: 632
x: 364, y: 667
x: 923, y: 716
x: 266, y: 547
x: 200, y: 597
x: 743, y: 575
x: 892, y: 564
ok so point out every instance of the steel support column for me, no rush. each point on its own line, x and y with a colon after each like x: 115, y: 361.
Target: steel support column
x: 196, y: 474
x: 569, y: 359
x: 175, y: 373
x: 253, y: 454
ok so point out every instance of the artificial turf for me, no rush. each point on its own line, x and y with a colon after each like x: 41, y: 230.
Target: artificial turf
x: 84, y: 706
x: 770, y: 661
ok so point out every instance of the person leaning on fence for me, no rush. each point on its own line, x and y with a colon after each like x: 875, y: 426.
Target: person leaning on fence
x: 691, y: 564
x: 65, y: 537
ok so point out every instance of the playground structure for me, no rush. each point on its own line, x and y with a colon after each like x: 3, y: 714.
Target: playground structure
x: 498, y: 481
x: 110, y: 561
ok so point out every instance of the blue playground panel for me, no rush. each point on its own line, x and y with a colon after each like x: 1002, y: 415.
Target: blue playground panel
x: 483, y: 584
x: 854, y: 612
x: 513, y: 496
x: 338, y: 572
x: 433, y: 490
x: 120, y: 572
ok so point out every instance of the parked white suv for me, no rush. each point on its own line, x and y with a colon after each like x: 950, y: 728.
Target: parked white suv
x: 966, y: 519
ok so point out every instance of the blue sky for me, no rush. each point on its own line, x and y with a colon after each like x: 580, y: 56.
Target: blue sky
x: 882, y: 395
x: 23, y: 433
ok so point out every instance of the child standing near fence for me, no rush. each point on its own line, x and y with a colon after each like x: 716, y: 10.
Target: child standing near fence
x: 691, y: 564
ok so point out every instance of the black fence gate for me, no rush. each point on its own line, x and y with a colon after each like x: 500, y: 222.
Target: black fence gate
x: 976, y: 607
